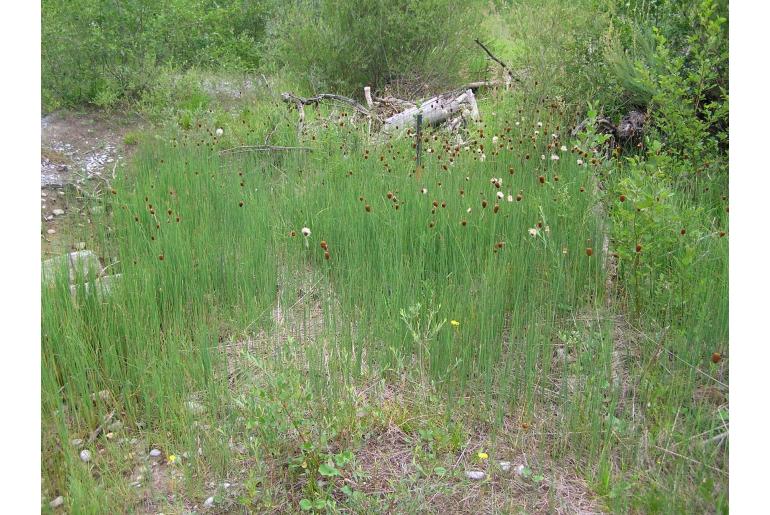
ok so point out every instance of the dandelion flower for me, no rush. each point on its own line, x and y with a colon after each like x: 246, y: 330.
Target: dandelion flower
x: 482, y: 455
x: 424, y: 191
x: 564, y: 148
x: 542, y: 157
x: 495, y: 139
x: 533, y: 232
x: 455, y: 323
x: 510, y: 198
x: 554, y: 157
x: 171, y: 459
x: 539, y: 124
x: 219, y: 132
x: 500, y: 195
x: 305, y: 232
x: 580, y: 162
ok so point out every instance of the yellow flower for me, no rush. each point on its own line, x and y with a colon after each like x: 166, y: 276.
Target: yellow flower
x: 482, y: 455
x: 455, y: 323
x: 171, y: 459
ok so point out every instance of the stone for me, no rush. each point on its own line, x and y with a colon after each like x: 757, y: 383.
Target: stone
x: 51, y: 231
x: 475, y: 474
x: 209, y: 502
x: 80, y: 262
x: 505, y: 466
x: 57, y: 212
x: 103, y: 285
x: 155, y: 453
x: 520, y: 470
x: 195, y: 407
x: 56, y: 502
x: 85, y: 455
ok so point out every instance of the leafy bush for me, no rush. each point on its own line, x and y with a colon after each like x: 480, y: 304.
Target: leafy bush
x: 101, y: 52
x: 344, y: 46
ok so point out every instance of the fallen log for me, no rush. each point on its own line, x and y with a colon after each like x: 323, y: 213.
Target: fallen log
x: 435, y: 111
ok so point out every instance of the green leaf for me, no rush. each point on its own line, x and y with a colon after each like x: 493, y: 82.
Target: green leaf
x: 537, y: 478
x: 319, y: 504
x: 441, y: 471
x: 306, y: 505
x: 347, y: 490
x: 328, y: 470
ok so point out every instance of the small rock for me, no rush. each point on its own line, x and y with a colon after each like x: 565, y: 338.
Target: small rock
x: 195, y: 408
x: 505, y: 466
x: 76, y: 442
x: 56, y: 502
x: 226, y: 485
x: 51, y: 231
x: 155, y: 453
x: 209, y: 502
x: 85, y: 455
x: 57, y: 212
x: 474, y: 474
x: 43, y: 194
x: 61, y: 193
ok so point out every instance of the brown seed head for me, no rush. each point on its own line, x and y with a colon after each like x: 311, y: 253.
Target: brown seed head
x: 638, y: 248
x: 716, y: 357
x: 589, y: 252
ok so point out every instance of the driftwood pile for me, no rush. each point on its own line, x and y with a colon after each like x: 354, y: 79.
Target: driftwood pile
x: 392, y: 116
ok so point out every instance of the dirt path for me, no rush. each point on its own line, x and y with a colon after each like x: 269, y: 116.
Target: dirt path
x: 77, y: 148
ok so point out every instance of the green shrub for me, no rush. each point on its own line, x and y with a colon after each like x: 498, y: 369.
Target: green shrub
x: 344, y: 46
x: 102, y: 52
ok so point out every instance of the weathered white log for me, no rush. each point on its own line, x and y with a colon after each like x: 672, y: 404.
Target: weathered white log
x: 435, y: 111
x: 368, y: 95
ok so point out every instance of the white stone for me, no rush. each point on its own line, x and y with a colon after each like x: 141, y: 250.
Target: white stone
x: 505, y: 466
x: 56, y: 502
x: 155, y: 453
x: 57, y: 212
x: 520, y: 470
x: 85, y: 455
x: 474, y: 474
x: 80, y: 262
x: 209, y: 502
x: 51, y: 231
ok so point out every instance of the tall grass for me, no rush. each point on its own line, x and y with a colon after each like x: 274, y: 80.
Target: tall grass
x: 425, y: 274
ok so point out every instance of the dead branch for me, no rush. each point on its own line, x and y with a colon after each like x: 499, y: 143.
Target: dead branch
x: 263, y: 148
x: 292, y: 98
x: 507, y: 68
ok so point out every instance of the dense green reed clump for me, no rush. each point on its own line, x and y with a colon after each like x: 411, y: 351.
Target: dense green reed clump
x: 480, y: 275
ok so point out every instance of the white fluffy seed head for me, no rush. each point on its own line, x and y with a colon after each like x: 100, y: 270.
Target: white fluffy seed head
x: 305, y: 232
